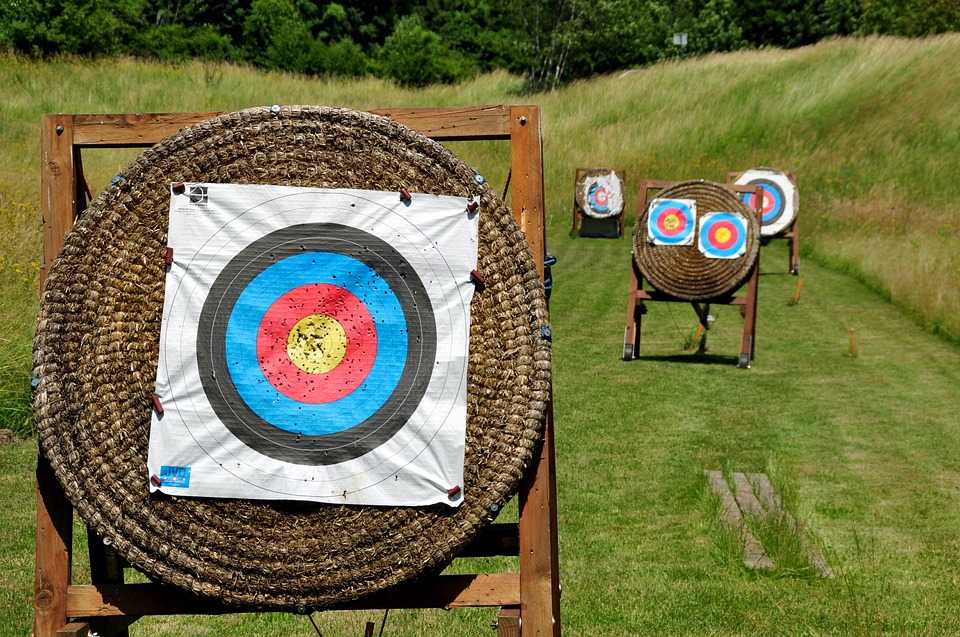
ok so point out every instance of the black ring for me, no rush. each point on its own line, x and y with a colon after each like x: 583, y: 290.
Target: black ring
x: 363, y: 437
x: 783, y: 199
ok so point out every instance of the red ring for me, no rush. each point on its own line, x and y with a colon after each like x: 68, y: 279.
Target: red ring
x: 600, y: 196
x: 283, y: 315
x: 723, y: 245
x: 676, y: 231
x: 768, y: 201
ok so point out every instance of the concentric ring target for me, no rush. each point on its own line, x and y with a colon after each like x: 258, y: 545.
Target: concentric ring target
x: 600, y: 194
x: 723, y: 235
x: 685, y: 271
x: 779, y: 206
x: 672, y: 222
x: 345, y: 273
x: 104, y: 322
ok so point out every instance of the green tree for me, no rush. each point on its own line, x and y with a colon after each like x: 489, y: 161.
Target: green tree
x: 413, y: 55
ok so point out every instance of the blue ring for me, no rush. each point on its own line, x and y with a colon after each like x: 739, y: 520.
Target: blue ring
x: 275, y: 281
x: 655, y: 214
x: 591, y: 200
x: 776, y: 211
x: 705, y: 226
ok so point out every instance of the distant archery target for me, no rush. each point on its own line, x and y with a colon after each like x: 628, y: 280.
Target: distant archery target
x: 779, y: 203
x: 672, y: 221
x: 321, y: 340
x: 601, y: 195
x: 723, y: 235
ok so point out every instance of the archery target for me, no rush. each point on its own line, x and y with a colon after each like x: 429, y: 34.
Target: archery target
x: 780, y: 199
x: 314, y: 346
x: 672, y: 222
x: 602, y: 196
x: 723, y: 235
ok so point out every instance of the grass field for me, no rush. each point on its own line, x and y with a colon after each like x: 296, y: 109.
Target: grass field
x: 866, y: 449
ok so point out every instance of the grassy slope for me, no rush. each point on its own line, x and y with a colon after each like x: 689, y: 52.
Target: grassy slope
x: 867, y: 447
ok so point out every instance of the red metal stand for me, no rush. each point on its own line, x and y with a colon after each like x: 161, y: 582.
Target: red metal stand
x: 791, y: 235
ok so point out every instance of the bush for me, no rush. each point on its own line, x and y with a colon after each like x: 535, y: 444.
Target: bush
x: 343, y: 57
x: 82, y: 27
x: 175, y: 42
x: 413, y: 55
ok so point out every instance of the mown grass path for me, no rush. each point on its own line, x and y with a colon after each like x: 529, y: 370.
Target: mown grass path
x: 866, y: 450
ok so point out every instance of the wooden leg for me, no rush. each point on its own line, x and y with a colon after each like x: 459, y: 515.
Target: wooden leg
x: 704, y: 329
x: 508, y: 622
x: 795, y: 250
x: 53, y: 553
x: 539, y: 554
x: 74, y: 629
x: 748, y: 337
x: 106, y: 567
x: 631, y: 336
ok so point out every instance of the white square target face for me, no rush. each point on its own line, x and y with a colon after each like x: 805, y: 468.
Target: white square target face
x: 314, y: 346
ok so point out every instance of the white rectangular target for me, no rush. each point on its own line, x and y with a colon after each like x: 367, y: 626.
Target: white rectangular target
x: 314, y: 346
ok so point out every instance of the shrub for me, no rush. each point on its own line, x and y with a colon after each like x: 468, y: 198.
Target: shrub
x: 413, y: 55
x: 175, y: 42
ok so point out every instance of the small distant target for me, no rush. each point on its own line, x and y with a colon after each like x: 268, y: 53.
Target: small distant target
x: 779, y: 205
x: 672, y: 221
x: 723, y: 235
x: 602, y: 195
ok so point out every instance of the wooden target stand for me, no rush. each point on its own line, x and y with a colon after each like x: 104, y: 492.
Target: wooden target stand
x: 596, y: 226
x: 791, y: 234
x: 638, y: 297
x: 108, y: 605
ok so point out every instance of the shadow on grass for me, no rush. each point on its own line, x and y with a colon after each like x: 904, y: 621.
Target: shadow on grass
x: 695, y: 358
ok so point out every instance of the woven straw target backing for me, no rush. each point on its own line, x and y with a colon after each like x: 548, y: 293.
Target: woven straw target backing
x: 96, y: 356
x: 683, y: 271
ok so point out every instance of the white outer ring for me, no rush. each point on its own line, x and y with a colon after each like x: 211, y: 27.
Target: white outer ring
x: 791, y: 201
x: 611, y: 182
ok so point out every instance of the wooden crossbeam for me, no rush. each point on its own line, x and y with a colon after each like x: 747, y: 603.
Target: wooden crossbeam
x: 145, y: 129
x: 447, y: 591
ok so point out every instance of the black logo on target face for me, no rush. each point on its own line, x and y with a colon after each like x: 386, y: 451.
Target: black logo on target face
x: 306, y: 417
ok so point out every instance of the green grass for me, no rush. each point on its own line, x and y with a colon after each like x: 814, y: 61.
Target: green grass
x: 866, y: 449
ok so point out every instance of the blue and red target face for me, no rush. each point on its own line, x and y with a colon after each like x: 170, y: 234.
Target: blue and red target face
x: 773, y: 200
x: 316, y: 343
x: 723, y: 235
x: 598, y: 198
x: 672, y: 221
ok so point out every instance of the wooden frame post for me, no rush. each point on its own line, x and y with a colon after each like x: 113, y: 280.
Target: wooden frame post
x: 529, y: 598
x: 638, y: 297
x: 791, y: 235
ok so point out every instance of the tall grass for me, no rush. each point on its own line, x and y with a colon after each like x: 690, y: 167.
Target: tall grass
x: 869, y: 125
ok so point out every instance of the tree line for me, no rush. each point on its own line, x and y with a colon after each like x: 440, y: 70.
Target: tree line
x: 438, y: 41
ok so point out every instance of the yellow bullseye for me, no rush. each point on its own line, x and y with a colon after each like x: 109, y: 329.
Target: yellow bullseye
x: 317, y: 343
x: 671, y: 221
x: 723, y: 235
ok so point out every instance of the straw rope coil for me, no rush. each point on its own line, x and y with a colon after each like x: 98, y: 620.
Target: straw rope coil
x: 683, y: 271
x: 96, y: 355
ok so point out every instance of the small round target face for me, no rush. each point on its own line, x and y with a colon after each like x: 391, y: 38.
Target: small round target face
x: 723, y: 235
x: 321, y: 341
x: 773, y: 200
x: 779, y: 205
x: 672, y: 221
x: 602, y: 195
x: 597, y: 198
